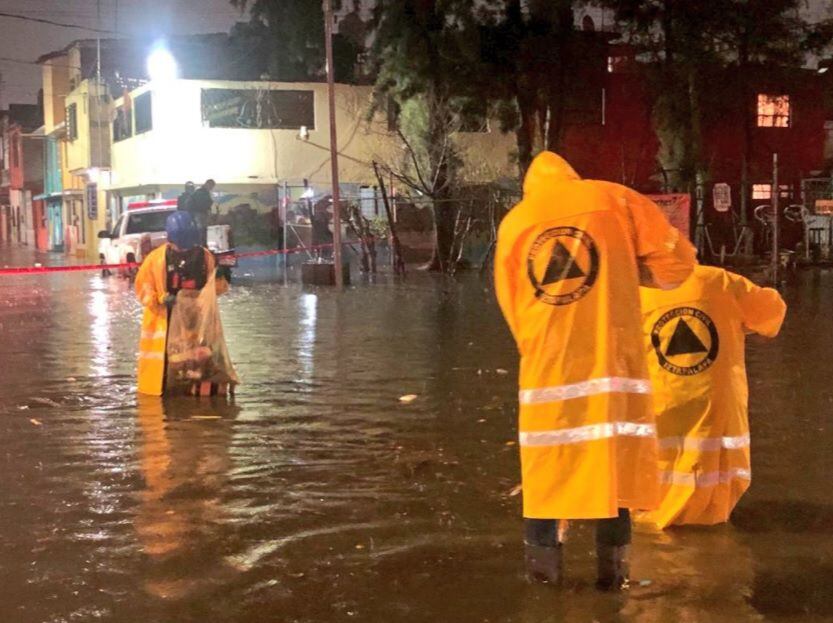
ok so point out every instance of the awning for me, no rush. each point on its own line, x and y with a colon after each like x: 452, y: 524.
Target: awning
x: 58, y: 195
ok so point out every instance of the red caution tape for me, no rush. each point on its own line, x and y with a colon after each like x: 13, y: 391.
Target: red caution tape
x: 30, y: 270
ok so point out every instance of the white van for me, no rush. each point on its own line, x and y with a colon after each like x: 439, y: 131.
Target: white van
x: 142, y: 228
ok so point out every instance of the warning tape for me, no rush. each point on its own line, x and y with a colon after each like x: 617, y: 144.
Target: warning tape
x: 30, y: 270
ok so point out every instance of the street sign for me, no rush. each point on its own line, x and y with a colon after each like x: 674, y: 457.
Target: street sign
x: 92, y: 201
x: 722, y: 197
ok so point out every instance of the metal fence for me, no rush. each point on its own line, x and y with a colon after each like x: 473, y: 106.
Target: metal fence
x: 814, y: 189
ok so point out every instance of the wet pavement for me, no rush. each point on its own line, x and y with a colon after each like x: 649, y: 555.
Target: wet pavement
x: 318, y: 496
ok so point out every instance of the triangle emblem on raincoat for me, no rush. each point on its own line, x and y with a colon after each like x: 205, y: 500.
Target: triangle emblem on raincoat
x: 684, y: 341
x: 562, y: 265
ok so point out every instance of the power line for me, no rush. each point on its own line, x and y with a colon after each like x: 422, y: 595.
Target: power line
x: 6, y: 59
x: 40, y: 20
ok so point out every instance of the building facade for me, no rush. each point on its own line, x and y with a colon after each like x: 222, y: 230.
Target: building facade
x: 259, y: 137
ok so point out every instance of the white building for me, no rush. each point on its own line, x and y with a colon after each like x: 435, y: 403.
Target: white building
x: 253, y: 137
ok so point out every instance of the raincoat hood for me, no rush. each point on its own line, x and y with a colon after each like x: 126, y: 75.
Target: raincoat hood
x: 546, y: 168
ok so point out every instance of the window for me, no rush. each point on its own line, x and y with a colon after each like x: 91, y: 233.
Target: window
x: 15, y: 149
x: 774, y: 111
x: 258, y: 108
x: 764, y: 191
x: 123, y: 125
x: 619, y: 64
x: 144, y: 113
x: 117, y: 227
x: 72, y: 122
x: 144, y: 222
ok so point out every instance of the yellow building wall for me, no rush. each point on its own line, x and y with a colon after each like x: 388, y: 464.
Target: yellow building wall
x: 55, y: 90
x: 91, y: 147
x: 86, y: 158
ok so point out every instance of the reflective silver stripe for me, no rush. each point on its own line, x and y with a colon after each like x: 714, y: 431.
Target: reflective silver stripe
x: 151, y: 355
x: 705, y: 444
x: 591, y: 432
x: 705, y: 479
x: 609, y: 385
x: 153, y: 335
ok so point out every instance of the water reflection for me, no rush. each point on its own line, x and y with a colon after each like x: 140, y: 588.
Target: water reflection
x: 305, y: 340
x: 100, y: 322
x: 326, y: 499
x: 184, y: 460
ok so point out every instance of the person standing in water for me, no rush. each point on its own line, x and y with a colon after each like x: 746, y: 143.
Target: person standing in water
x: 181, y: 272
x: 568, y: 264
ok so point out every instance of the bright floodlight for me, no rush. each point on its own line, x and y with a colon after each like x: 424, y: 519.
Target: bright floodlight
x: 161, y: 65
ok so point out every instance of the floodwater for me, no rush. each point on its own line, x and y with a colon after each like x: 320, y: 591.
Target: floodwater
x: 318, y: 496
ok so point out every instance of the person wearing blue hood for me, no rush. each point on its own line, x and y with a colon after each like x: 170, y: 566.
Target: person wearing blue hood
x: 179, y: 265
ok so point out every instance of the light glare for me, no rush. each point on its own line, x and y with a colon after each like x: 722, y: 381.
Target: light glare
x: 161, y: 65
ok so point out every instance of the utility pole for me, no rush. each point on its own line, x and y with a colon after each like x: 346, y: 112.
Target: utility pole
x: 775, y: 197
x: 328, y: 33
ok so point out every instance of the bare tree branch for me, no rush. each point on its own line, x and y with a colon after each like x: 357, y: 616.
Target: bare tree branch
x: 412, y: 153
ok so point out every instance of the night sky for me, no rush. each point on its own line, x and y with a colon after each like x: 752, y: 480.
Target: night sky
x: 27, y: 41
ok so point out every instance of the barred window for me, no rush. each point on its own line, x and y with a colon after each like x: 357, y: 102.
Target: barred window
x: 123, y: 124
x: 764, y: 191
x: 254, y: 108
x: 72, y: 122
x: 774, y: 111
x: 144, y: 113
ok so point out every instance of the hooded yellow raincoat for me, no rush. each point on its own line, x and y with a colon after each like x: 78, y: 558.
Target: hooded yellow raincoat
x: 694, y: 338
x: 567, y: 272
x: 151, y: 288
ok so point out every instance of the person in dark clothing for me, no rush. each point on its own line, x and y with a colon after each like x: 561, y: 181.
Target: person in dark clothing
x: 321, y: 234
x: 185, y: 197
x: 199, y: 205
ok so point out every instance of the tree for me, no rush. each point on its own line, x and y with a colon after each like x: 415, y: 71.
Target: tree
x: 418, y: 63
x: 530, y: 53
x: 679, y: 39
x: 289, y: 34
x: 754, y: 35
x: 727, y: 42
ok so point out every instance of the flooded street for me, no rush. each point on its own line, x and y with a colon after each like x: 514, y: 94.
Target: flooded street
x: 318, y: 496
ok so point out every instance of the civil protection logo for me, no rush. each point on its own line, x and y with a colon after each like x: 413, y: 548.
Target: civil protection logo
x: 685, y: 340
x: 562, y: 265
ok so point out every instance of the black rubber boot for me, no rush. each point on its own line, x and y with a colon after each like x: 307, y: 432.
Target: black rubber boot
x: 543, y: 564
x: 613, y: 567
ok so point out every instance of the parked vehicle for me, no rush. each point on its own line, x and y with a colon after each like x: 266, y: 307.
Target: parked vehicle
x: 142, y: 228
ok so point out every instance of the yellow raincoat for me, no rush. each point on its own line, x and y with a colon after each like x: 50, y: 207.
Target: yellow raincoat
x: 151, y: 288
x: 567, y: 273
x: 694, y: 338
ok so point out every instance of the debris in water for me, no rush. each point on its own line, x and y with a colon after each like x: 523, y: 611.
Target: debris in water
x: 408, y: 398
x: 645, y: 583
x: 501, y: 371
x: 515, y: 490
x: 71, y: 379
x: 35, y: 422
x: 359, y: 546
x: 22, y: 407
x: 205, y: 417
x: 45, y: 401
x: 510, y: 443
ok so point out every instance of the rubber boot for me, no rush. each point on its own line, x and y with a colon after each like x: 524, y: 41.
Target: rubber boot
x: 543, y: 564
x: 613, y: 567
